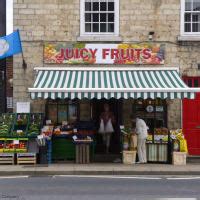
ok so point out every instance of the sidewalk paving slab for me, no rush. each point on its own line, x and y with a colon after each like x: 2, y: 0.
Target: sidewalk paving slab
x: 100, y: 169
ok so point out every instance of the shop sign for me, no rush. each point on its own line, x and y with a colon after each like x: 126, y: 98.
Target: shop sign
x: 82, y: 53
x: 159, y: 108
x: 23, y: 107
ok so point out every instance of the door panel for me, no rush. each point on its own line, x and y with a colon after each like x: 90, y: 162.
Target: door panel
x: 191, y: 123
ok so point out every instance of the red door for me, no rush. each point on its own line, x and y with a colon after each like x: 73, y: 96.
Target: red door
x: 191, y: 118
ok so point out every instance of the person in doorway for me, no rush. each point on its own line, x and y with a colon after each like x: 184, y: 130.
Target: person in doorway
x: 142, y: 133
x: 107, y: 119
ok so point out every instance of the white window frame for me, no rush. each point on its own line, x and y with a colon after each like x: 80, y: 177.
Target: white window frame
x: 182, y: 24
x: 82, y: 22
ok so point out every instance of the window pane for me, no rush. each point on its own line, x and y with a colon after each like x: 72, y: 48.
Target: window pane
x: 190, y: 82
x: 187, y: 17
x: 103, y: 17
x: 188, y: 5
x: 95, y: 27
x: 196, y: 17
x: 196, y: 27
x: 196, y: 83
x: 103, y: 27
x: 196, y: 5
x: 111, y: 27
x: 95, y: 17
x: 87, y: 17
x: 111, y: 6
x: 88, y: 27
x: 187, y: 27
x: 95, y: 6
x: 103, y: 6
x: 111, y: 17
x: 87, y: 6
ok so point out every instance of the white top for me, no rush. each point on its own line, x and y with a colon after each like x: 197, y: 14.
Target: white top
x: 141, y: 128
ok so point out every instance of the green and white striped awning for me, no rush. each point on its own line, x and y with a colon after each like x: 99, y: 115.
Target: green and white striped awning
x: 110, y: 83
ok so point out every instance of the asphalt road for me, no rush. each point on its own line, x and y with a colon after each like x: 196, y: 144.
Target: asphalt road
x: 98, y: 188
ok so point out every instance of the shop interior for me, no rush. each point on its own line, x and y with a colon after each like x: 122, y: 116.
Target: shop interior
x: 84, y: 115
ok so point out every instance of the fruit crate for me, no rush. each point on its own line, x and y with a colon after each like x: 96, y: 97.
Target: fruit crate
x: 35, y: 124
x: 7, y: 158
x: 26, y: 158
x: 6, y: 123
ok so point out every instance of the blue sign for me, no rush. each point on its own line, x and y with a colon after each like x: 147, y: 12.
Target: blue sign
x: 10, y: 45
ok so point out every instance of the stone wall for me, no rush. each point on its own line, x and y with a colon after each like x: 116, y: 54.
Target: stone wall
x: 59, y: 20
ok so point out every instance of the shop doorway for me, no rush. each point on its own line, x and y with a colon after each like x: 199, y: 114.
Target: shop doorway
x: 116, y: 108
x: 191, y: 118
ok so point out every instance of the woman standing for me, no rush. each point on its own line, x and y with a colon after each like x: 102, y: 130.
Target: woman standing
x: 107, y: 120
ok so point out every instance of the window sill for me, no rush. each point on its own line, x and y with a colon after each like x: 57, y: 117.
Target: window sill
x: 189, y: 38
x: 95, y: 38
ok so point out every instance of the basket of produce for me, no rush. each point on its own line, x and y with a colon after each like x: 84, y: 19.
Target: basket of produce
x: 161, y: 131
x: 22, y: 119
x: 35, y: 124
x: 33, y: 130
x: 18, y: 133
x: 6, y: 122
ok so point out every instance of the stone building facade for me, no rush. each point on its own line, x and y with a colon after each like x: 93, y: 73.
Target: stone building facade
x: 40, y: 21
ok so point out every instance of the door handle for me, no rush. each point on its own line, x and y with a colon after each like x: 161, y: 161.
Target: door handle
x: 198, y: 126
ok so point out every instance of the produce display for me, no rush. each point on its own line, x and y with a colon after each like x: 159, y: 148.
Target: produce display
x: 63, y: 130
x: 47, y: 130
x: 160, y: 135
x: 35, y: 124
x: 180, y: 143
x: 161, y: 131
x: 13, y: 145
x: 6, y: 121
x: 20, y: 125
x: 22, y: 119
x: 18, y: 133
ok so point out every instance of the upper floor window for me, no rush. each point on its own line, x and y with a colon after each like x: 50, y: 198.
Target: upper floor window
x: 99, y: 17
x: 190, y: 17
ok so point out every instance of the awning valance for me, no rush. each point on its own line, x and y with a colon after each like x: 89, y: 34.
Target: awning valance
x: 110, y: 83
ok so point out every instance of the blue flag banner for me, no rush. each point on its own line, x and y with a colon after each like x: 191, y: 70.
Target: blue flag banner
x: 10, y: 45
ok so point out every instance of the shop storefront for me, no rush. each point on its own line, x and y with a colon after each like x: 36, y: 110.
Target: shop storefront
x: 75, y: 96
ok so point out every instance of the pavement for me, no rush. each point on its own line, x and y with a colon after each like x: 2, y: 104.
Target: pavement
x: 99, y: 169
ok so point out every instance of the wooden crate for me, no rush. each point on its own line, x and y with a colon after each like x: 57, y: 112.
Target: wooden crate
x: 7, y: 158
x: 26, y: 158
x: 82, y: 153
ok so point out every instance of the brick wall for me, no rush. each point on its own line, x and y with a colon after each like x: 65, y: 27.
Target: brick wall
x: 59, y: 20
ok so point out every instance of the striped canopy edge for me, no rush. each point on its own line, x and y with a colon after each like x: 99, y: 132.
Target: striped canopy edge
x: 109, y: 83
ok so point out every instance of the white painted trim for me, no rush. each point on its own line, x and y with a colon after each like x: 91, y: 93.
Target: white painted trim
x: 9, y: 16
x: 114, y: 90
x: 107, y: 34
x: 111, y: 68
x: 182, y: 17
x: 99, y: 38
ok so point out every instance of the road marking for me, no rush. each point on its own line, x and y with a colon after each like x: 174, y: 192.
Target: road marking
x: 109, y: 177
x: 12, y: 177
x: 183, y: 178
